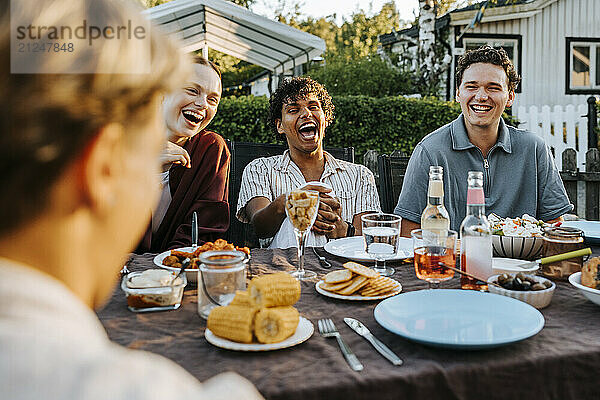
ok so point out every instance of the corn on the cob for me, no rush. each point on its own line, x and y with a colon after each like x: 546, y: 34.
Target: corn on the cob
x: 232, y: 322
x: 273, y: 290
x: 242, y: 298
x: 275, y: 324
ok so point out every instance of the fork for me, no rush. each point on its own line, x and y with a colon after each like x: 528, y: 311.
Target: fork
x: 322, y: 260
x: 327, y: 329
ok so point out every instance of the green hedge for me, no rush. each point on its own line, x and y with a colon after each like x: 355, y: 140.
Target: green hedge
x: 366, y: 123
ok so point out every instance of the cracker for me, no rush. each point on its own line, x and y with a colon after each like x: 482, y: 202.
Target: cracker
x: 394, y: 287
x: 360, y: 269
x: 336, y: 286
x: 341, y: 275
x: 357, y: 283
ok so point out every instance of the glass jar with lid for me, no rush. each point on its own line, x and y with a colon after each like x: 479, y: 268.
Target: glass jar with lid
x: 220, y: 275
x: 558, y: 240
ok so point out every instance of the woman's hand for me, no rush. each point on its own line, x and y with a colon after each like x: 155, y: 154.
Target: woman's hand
x: 173, y: 154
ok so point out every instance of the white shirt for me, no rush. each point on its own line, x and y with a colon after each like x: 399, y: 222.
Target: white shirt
x: 53, y: 347
x: 270, y: 177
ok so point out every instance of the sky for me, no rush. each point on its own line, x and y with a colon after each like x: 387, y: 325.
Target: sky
x: 343, y: 8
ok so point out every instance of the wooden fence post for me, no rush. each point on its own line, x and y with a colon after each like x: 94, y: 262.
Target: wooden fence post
x: 592, y: 122
x: 569, y: 175
x: 592, y: 186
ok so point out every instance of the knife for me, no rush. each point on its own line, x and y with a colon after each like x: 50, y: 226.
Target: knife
x: 363, y: 331
x: 194, y: 230
x: 557, y: 257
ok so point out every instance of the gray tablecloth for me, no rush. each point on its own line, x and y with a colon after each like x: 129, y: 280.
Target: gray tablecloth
x: 558, y: 363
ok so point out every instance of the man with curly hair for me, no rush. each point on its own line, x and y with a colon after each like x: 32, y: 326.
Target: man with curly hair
x: 301, y: 110
x: 519, y: 172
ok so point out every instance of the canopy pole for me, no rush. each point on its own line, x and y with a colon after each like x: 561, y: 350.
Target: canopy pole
x: 205, y: 50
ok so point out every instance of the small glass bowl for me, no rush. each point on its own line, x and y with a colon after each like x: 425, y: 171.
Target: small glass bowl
x: 159, y: 298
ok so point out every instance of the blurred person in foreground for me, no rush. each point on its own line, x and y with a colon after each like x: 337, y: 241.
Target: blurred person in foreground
x: 195, y: 166
x: 79, y: 158
x: 300, y: 110
x: 519, y: 173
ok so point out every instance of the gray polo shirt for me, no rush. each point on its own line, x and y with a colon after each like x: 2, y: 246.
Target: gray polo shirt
x: 519, y: 175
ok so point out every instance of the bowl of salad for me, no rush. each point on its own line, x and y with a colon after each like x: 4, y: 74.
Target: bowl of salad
x: 517, y: 237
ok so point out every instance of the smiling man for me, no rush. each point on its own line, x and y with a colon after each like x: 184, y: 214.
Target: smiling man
x: 301, y: 110
x: 195, y: 166
x: 518, y: 169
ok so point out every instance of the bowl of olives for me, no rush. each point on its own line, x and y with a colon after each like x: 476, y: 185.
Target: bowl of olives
x: 533, y: 290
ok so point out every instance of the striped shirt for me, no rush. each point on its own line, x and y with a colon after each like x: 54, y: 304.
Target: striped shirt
x: 270, y: 177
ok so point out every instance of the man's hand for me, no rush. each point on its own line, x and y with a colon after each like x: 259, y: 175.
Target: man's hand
x: 329, y: 218
x: 173, y: 154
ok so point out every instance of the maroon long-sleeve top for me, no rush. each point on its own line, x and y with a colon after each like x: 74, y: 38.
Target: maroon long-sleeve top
x: 202, y: 188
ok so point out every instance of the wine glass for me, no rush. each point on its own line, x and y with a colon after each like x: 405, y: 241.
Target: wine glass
x: 433, y: 251
x: 382, y: 237
x: 301, y: 207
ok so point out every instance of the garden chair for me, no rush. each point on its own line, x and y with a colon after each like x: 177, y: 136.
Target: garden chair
x: 392, y: 169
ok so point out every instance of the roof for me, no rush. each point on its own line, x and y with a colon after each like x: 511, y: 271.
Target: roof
x: 500, y: 3
x: 502, y: 10
x: 235, y: 30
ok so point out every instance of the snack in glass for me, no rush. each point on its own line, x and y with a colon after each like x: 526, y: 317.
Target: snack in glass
x: 153, y: 290
x: 301, y: 207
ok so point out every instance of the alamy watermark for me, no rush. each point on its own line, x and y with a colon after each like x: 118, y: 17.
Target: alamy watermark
x: 78, y: 45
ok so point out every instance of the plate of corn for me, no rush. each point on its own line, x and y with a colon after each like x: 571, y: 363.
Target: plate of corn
x: 303, y: 332
x: 261, y: 318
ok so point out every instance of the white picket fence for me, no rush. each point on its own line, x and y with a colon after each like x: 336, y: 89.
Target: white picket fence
x: 559, y: 127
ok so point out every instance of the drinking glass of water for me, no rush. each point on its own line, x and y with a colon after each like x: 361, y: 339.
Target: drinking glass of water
x: 382, y: 237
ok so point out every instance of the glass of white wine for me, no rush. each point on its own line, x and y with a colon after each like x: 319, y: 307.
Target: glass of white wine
x: 382, y: 238
x: 301, y: 207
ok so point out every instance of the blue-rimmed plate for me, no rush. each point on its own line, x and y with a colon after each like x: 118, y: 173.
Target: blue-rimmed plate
x: 591, y: 230
x: 460, y: 319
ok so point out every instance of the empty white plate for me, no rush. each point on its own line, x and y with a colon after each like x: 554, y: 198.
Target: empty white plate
x: 461, y: 319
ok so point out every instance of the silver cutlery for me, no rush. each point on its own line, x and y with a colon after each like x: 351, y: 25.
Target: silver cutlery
x: 328, y: 329
x: 185, y: 264
x: 363, y: 331
x: 322, y: 260
x: 194, y: 231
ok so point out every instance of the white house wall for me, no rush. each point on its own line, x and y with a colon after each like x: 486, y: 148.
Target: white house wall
x: 543, y: 54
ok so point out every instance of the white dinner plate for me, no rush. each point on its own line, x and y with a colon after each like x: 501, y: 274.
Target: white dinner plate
x: 304, y: 331
x: 356, y: 297
x: 511, y: 266
x: 354, y: 248
x: 192, y: 274
x: 461, y: 319
x: 591, y: 230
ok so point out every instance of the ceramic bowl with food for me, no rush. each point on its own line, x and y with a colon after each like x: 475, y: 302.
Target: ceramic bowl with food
x: 521, y: 247
x: 153, y: 290
x: 592, y: 295
x: 536, y: 298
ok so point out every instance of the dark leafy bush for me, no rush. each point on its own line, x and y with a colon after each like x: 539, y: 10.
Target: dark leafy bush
x: 366, y: 123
